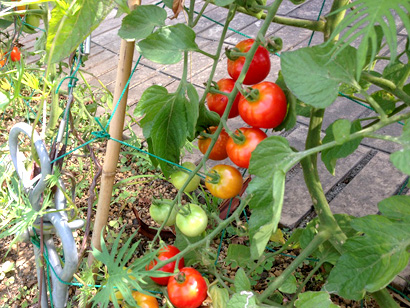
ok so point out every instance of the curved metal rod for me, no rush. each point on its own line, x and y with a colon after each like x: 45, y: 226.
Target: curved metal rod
x: 18, y: 161
x: 60, y: 290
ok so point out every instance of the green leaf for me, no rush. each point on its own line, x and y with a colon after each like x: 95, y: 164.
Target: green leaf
x: 273, y: 153
x: 219, y: 296
x: 371, y: 261
x: 401, y: 158
x: 166, y: 45
x: 290, y: 120
x: 330, y: 156
x: 169, y: 118
x: 71, y: 23
x: 270, y: 161
x: 314, y: 76
x: 223, y: 2
x: 142, y: 21
x: 4, y: 100
x: 206, y: 119
x: 360, y: 24
x: 289, y: 286
x: 312, y: 299
x: 182, y: 242
x: 118, y: 278
x: 386, y: 100
x: 396, y: 207
x: 243, y: 299
x: 326, y: 252
x: 395, y: 71
x: 266, y: 204
x: 238, y: 255
x: 297, y: 2
x: 5, y: 23
x: 241, y: 281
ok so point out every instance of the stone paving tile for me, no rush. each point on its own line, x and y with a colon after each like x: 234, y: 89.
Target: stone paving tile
x: 297, y: 202
x: 311, y: 9
x: 379, y: 179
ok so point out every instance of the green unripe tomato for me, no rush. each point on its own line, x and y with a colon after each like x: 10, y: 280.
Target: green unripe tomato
x: 179, y: 178
x: 192, y: 223
x: 159, y: 211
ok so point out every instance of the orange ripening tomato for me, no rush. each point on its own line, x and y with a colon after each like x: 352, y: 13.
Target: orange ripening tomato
x: 145, y: 301
x: 20, y: 8
x: 2, y: 59
x: 227, y: 183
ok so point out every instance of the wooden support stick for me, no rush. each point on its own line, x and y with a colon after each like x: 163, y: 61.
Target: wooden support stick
x: 113, y: 147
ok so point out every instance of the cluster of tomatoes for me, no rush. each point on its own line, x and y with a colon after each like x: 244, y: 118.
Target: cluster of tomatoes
x: 15, y: 56
x: 187, y: 288
x: 262, y: 105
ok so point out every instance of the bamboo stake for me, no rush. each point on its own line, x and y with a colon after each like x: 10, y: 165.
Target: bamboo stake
x: 113, y: 147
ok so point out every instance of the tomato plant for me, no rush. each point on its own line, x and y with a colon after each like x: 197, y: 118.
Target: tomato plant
x: 219, y: 150
x: 164, y: 254
x: 179, y: 178
x: 242, y: 144
x: 217, y: 102
x: 15, y: 54
x: 159, y: 210
x: 265, y: 106
x: 224, y: 181
x: 192, y: 220
x: 260, y: 65
x: 187, y: 289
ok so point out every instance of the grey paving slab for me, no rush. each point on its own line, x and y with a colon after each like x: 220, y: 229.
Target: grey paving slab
x: 311, y: 9
x: 378, y: 180
x: 297, y: 201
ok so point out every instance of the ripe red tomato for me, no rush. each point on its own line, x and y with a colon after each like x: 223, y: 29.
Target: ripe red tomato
x: 164, y: 254
x: 240, y: 153
x: 259, y: 68
x: 219, y: 150
x: 187, y: 289
x: 267, y: 109
x: 228, y: 184
x: 218, y: 102
x: 145, y: 301
x: 15, y: 54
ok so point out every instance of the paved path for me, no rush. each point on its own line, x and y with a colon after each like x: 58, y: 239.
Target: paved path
x: 361, y: 180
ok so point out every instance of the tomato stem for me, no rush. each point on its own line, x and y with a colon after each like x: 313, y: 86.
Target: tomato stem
x: 213, y: 177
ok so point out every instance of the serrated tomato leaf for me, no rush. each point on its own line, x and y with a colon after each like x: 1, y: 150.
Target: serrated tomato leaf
x: 326, y: 251
x: 166, y: 45
x: 314, y: 76
x: 312, y: 299
x: 401, y: 158
x: 242, y: 299
x: 142, y: 21
x: 339, y: 131
x: 371, y: 261
x: 71, y: 23
x: 396, y: 207
x: 266, y: 200
x: 168, y: 120
x: 241, y: 281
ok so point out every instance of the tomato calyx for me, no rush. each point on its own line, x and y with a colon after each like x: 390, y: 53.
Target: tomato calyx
x: 238, y: 137
x: 180, y: 277
x: 274, y: 44
x: 251, y: 94
x: 234, y: 53
x: 213, y: 177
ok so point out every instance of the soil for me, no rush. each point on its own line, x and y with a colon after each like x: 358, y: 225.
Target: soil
x: 19, y: 286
